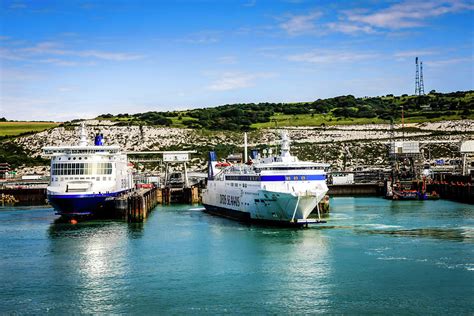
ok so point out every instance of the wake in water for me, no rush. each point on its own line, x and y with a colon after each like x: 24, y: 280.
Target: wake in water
x: 196, y: 209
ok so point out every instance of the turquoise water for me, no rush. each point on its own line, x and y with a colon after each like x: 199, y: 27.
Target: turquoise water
x: 373, y: 256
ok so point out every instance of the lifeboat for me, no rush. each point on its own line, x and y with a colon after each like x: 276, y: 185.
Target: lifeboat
x: 223, y: 164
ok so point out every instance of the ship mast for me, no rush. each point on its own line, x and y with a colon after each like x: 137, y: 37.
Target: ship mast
x: 285, y: 144
x: 83, y: 135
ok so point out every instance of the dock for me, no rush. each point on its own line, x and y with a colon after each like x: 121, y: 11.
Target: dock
x: 24, y: 195
x: 136, y: 205
x: 356, y: 189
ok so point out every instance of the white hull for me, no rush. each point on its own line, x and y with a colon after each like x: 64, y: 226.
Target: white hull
x: 264, y: 204
x: 280, y: 189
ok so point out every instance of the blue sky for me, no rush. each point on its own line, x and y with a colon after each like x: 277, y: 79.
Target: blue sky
x: 61, y: 60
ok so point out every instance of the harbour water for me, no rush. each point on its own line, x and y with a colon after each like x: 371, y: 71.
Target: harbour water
x: 372, y: 256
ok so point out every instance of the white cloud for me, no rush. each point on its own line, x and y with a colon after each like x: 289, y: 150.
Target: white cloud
x: 414, y: 53
x: 349, y: 28
x: 228, y: 60
x: 55, y: 53
x: 330, y: 57
x: 204, y: 37
x: 408, y: 13
x: 250, y: 3
x: 108, y: 55
x: 235, y: 80
x: 59, y: 62
x: 66, y: 89
x: 300, y: 24
x: 451, y: 61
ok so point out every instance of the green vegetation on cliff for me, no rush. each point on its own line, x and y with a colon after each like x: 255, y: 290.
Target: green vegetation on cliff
x: 339, y: 110
x: 16, y: 155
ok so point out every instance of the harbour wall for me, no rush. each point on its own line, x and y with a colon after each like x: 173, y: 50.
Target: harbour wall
x: 362, y: 189
x: 137, y: 204
x: 26, y: 196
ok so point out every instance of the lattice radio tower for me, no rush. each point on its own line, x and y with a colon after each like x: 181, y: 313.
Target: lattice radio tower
x: 417, y: 78
x: 422, y: 85
x: 419, y: 85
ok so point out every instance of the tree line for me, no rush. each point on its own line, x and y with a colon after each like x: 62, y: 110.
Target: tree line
x: 240, y: 117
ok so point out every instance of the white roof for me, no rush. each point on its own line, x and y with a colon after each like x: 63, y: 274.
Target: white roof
x: 467, y: 146
x: 55, y: 150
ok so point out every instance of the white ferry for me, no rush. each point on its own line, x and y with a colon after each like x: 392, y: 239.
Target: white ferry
x: 275, y: 189
x: 84, y: 176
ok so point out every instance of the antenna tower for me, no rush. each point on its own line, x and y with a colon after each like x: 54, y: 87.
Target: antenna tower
x: 417, y: 78
x: 422, y: 85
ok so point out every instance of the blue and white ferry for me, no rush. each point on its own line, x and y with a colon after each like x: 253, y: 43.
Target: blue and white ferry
x: 84, y: 176
x: 275, y: 189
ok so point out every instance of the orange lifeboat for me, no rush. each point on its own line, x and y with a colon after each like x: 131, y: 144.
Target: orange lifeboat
x: 223, y: 164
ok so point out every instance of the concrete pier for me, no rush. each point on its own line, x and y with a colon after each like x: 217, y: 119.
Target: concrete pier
x: 136, y: 205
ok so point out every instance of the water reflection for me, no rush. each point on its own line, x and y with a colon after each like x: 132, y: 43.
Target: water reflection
x: 276, y: 261
x: 453, y: 234
x: 135, y: 230
x: 91, y: 258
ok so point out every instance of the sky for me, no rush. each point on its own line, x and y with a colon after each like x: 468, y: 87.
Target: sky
x: 63, y: 60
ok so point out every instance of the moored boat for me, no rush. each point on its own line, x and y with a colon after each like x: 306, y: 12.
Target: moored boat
x: 84, y: 177
x: 277, y: 190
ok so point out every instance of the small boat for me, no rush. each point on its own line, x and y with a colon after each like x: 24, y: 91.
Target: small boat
x: 405, y: 195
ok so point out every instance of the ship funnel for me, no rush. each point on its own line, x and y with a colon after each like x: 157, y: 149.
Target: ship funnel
x: 99, y: 140
x: 211, y: 165
x: 254, y: 154
x: 83, y: 135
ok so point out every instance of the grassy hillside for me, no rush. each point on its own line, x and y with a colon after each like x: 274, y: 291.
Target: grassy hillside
x: 332, y: 111
x: 330, y: 119
x: 17, y: 128
x: 16, y: 156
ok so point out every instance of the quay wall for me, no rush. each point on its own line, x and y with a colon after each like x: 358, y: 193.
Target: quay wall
x: 457, y: 192
x: 31, y: 196
x: 367, y: 189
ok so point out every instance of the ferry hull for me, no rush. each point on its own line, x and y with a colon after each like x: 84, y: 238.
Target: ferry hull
x: 81, y: 205
x: 275, y: 208
x: 246, y: 218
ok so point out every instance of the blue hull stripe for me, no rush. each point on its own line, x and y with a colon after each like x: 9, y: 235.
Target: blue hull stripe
x: 294, y: 177
x: 80, y: 204
x: 80, y: 196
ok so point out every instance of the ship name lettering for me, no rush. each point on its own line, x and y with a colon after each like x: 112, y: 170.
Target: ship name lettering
x: 229, y: 200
